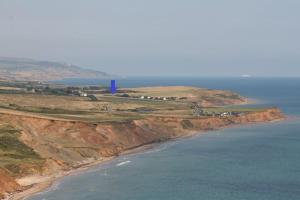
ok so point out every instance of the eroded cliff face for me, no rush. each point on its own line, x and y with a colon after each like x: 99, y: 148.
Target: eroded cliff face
x: 7, y: 184
x: 69, y: 144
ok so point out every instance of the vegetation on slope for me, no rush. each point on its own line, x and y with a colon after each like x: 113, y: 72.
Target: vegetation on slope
x: 16, y: 157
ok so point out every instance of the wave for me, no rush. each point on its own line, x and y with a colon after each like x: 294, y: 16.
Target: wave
x: 123, y: 163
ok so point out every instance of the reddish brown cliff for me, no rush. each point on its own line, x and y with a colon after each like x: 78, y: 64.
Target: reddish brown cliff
x: 7, y: 183
x: 68, y: 144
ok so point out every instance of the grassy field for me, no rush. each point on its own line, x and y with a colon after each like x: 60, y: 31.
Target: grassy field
x: 83, y: 109
x: 190, y: 93
x: 120, y: 108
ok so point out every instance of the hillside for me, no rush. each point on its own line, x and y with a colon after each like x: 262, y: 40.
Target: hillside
x: 22, y: 69
x: 62, y: 145
x: 43, y: 137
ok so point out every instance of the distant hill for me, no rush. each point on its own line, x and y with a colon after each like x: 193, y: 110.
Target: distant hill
x: 32, y: 70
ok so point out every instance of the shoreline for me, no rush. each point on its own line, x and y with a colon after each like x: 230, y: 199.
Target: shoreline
x: 43, y: 185
x: 51, y: 179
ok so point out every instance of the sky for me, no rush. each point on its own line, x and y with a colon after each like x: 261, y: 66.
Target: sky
x: 157, y: 37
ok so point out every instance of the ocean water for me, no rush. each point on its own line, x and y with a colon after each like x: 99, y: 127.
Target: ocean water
x: 252, y: 162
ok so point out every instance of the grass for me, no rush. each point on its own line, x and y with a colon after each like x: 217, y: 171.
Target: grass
x: 14, y: 153
x: 51, y: 110
x: 229, y: 96
x: 43, y: 110
x: 233, y: 109
x: 123, y: 109
x: 186, y: 124
x: 135, y: 102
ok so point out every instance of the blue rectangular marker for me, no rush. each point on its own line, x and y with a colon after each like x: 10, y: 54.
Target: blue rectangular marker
x: 113, y: 87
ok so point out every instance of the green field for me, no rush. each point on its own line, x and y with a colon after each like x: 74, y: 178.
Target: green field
x: 175, y: 101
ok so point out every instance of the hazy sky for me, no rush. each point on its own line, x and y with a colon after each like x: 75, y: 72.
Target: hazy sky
x: 157, y: 37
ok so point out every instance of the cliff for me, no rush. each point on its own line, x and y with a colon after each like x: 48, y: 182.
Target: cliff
x: 7, y: 184
x: 65, y: 145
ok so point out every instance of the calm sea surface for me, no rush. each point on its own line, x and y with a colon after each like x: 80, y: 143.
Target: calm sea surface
x: 257, y: 162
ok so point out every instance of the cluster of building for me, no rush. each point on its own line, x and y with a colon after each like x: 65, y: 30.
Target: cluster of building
x: 198, y: 111
x: 65, y: 91
x: 150, y: 97
x: 158, y: 98
x: 220, y: 114
x: 76, y: 92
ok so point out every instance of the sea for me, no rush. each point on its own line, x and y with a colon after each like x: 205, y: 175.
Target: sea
x: 251, y: 162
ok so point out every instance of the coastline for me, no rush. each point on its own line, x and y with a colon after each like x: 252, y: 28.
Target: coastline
x: 50, y: 180
x: 43, y: 185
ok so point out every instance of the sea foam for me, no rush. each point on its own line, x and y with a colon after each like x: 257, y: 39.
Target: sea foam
x: 123, y: 163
